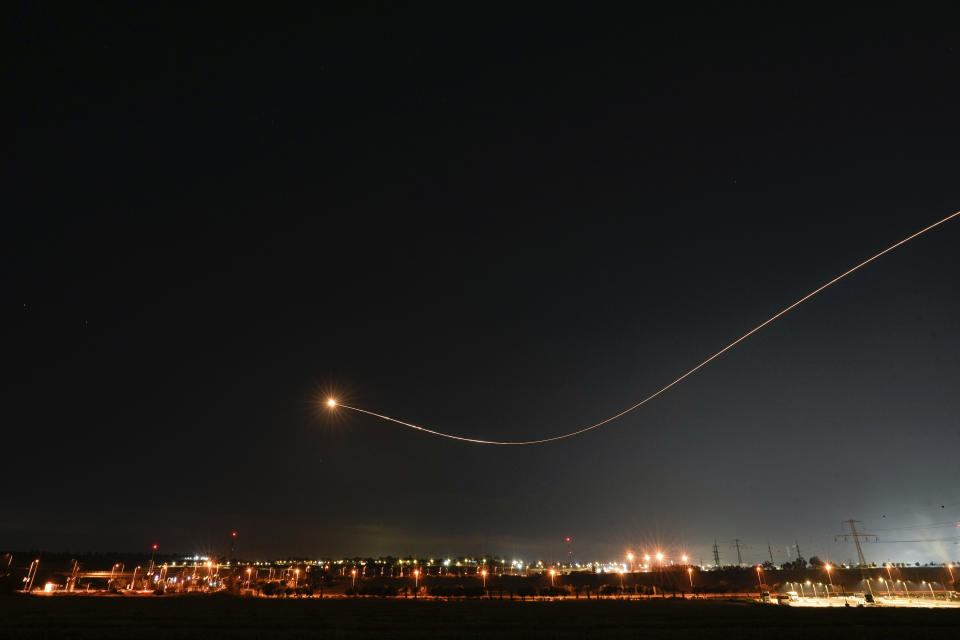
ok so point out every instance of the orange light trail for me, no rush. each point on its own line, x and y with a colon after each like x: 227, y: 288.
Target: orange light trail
x: 675, y: 382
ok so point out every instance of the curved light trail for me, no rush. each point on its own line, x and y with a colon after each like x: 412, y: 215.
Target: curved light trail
x: 332, y: 404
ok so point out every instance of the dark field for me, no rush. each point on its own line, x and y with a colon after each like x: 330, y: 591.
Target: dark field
x: 228, y: 617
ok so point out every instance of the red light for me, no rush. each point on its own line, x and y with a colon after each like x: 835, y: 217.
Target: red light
x: 568, y: 537
x: 155, y: 547
x: 234, y: 534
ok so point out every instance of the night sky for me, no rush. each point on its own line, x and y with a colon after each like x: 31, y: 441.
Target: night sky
x: 501, y: 224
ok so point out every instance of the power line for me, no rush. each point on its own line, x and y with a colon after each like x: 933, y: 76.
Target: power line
x: 953, y: 540
x: 933, y: 525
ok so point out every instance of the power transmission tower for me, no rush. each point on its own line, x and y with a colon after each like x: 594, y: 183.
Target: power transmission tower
x: 799, y: 557
x: 736, y: 541
x: 770, y: 551
x: 716, y: 554
x: 856, y: 536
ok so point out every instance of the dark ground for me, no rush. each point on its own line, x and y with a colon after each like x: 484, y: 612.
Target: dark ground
x: 229, y: 617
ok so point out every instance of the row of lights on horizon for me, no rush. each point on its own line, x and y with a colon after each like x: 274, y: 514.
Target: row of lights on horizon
x: 483, y: 573
x: 659, y: 556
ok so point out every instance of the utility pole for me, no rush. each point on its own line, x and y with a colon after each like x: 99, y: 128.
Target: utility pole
x: 856, y: 536
x: 72, y: 581
x: 736, y: 541
x: 716, y: 554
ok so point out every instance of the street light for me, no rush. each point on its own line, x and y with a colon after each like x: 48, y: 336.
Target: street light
x: 296, y: 577
x: 484, y: 575
x: 829, y: 578
x: 690, y: 575
x: 31, y: 575
x: 630, y: 560
x: 249, y: 571
x: 552, y: 573
x: 660, y: 569
x: 416, y: 582
x: 353, y: 576
x: 950, y: 569
x: 887, y: 582
x: 112, y: 569
x: 759, y: 581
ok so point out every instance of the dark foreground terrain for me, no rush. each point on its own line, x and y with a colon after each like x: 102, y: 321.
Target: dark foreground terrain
x: 145, y: 618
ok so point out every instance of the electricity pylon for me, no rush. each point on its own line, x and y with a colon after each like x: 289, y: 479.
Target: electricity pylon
x: 856, y: 536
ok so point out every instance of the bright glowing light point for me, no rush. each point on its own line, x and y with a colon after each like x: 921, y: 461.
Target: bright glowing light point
x: 331, y: 403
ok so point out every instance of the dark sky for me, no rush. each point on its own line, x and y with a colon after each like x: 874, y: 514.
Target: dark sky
x: 502, y: 224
